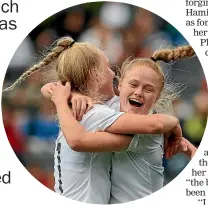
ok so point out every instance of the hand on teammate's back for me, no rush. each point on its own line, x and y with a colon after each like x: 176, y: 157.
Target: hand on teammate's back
x: 181, y: 145
x: 81, y: 104
x: 191, y: 149
x: 174, y: 146
x: 60, y: 93
x: 174, y: 142
x: 177, y: 132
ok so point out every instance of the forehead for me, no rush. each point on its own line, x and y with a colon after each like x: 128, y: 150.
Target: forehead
x: 143, y: 74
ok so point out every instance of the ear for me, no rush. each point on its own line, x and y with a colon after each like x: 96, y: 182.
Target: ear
x: 159, y: 94
x: 119, y: 85
x: 157, y: 98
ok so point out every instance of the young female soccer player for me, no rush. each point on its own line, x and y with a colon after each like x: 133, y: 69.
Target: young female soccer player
x: 135, y: 175
x: 79, y: 174
x: 140, y: 173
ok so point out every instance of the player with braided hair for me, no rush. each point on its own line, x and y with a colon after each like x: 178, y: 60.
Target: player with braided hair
x: 78, y: 174
x: 145, y: 150
x: 142, y: 86
x: 61, y: 46
x: 138, y: 172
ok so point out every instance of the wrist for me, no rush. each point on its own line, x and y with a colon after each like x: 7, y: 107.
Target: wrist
x: 61, y: 103
x: 175, y: 125
x: 174, y: 121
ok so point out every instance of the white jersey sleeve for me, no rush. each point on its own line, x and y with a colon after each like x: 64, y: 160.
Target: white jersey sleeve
x: 100, y: 118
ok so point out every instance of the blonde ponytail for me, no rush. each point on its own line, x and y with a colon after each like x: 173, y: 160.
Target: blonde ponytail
x: 62, y: 44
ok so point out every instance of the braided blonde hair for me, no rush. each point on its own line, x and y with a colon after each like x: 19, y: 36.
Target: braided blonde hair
x: 178, y: 53
x: 74, y: 64
x: 62, y: 44
x: 168, y: 92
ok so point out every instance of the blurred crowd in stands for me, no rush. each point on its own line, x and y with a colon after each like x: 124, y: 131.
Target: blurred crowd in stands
x: 121, y: 30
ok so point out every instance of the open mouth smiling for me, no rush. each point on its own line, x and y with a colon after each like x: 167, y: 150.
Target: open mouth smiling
x: 135, y: 102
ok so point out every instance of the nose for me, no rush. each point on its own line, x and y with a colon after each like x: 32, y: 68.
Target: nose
x: 112, y: 73
x: 138, y: 92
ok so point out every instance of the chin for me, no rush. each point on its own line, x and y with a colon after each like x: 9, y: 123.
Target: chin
x: 134, y: 111
x: 139, y: 111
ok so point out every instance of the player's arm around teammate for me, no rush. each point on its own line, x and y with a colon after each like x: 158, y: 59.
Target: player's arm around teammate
x: 80, y: 140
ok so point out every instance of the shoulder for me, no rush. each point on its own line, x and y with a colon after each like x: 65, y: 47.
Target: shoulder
x: 99, y: 117
x: 114, y: 103
x: 99, y: 111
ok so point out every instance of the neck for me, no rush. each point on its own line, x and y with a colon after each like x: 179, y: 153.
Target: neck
x: 100, y: 97
x: 107, y: 94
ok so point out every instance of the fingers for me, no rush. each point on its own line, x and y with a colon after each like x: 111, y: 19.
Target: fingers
x: 167, y: 153
x: 83, y: 109
x: 178, y: 131
x: 53, y: 86
x: 183, y: 146
x: 171, y: 148
x: 83, y: 106
x: 190, y: 152
x: 68, y: 85
x: 78, y: 108
x: 175, y: 133
x: 193, y: 152
x: 175, y: 148
x: 60, y: 93
x: 50, y: 91
x: 74, y: 107
x: 89, y: 105
x: 191, y: 149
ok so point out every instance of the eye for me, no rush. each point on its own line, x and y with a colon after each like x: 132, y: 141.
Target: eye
x: 133, y: 85
x: 149, y: 90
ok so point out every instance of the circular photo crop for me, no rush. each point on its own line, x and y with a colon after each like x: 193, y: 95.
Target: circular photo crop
x: 105, y: 103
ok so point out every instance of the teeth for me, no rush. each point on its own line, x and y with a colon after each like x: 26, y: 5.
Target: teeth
x: 135, y: 100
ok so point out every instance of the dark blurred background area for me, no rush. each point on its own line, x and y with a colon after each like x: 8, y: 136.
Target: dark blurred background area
x: 121, y: 30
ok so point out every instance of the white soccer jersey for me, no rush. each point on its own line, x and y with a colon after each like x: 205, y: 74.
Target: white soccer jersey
x: 84, y: 176
x: 137, y: 172
x: 79, y: 175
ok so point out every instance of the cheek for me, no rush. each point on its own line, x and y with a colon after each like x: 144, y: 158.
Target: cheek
x: 108, y: 76
x: 151, y: 98
x: 125, y: 90
x: 123, y: 93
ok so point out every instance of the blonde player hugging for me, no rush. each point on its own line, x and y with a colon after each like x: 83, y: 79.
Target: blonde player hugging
x: 114, y: 154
